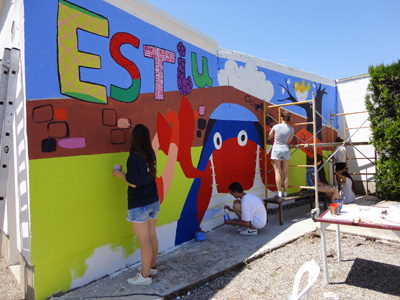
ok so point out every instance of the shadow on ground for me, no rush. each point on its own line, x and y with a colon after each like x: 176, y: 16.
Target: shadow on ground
x: 375, y: 276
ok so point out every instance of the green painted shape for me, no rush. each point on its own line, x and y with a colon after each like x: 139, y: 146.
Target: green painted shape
x: 56, y: 276
x: 82, y: 10
x: 76, y: 206
x: 297, y: 175
x: 203, y: 79
x: 86, y: 97
x: 126, y: 95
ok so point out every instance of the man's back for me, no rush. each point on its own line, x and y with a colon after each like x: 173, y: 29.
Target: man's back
x: 253, y: 210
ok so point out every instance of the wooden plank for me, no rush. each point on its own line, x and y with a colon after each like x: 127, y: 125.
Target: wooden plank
x: 279, y: 201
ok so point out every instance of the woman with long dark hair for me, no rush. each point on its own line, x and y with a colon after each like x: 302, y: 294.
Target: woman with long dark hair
x: 143, y: 201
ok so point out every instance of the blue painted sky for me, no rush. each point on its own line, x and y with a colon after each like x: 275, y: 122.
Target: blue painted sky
x: 335, y: 39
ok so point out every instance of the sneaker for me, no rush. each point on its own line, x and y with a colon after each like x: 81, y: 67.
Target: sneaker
x: 249, y: 232
x: 140, y: 280
x: 284, y: 194
x: 153, y: 272
x: 241, y: 229
x: 278, y: 194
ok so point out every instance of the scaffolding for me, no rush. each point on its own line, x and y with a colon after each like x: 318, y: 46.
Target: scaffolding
x: 315, y: 145
x: 346, y: 129
x: 315, y: 212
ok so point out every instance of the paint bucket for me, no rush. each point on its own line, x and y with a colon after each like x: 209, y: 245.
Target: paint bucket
x: 334, y: 208
x: 199, y: 236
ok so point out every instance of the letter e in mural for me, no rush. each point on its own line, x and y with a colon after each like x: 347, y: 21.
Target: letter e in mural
x: 71, y: 18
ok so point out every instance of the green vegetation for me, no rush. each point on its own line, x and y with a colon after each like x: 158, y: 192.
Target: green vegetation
x: 383, y: 104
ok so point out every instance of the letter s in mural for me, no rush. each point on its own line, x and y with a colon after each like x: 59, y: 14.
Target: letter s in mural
x: 130, y: 94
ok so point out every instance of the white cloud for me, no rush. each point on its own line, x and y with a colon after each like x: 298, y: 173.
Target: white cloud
x: 247, y: 79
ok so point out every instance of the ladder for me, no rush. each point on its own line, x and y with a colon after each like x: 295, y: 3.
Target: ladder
x: 8, y: 89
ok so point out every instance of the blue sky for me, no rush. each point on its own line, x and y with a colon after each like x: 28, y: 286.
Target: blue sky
x: 335, y: 39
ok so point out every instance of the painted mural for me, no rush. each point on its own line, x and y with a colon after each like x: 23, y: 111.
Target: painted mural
x: 92, y: 72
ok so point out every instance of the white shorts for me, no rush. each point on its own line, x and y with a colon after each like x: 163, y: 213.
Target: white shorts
x: 280, y: 154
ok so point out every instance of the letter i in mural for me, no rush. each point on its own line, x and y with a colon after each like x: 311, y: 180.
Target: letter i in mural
x: 185, y: 85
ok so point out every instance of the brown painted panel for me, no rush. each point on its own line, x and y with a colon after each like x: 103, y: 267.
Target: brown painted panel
x: 93, y: 128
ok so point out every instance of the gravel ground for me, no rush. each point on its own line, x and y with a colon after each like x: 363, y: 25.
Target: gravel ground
x: 369, y: 270
x: 9, y: 288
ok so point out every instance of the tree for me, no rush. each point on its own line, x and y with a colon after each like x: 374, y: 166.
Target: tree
x: 383, y: 105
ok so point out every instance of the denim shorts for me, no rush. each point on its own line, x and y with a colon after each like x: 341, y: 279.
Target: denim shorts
x: 280, y: 154
x: 143, y: 213
x: 310, y: 176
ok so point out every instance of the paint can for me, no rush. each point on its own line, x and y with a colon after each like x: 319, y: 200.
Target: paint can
x: 334, y: 209
x: 199, y: 236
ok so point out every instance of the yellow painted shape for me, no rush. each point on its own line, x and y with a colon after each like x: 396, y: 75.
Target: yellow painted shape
x: 56, y: 276
x: 70, y: 19
x: 76, y: 206
x: 297, y: 175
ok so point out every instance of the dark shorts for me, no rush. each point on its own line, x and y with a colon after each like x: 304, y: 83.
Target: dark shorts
x: 310, y: 176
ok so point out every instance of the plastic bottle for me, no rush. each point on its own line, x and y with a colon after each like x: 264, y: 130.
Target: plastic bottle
x: 339, y: 201
x: 226, y: 215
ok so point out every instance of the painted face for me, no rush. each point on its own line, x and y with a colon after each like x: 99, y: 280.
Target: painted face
x: 234, y: 160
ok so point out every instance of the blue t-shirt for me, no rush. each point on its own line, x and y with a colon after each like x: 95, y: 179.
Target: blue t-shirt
x: 138, y: 174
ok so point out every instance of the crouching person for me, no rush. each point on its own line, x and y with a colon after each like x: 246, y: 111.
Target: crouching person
x: 249, y: 209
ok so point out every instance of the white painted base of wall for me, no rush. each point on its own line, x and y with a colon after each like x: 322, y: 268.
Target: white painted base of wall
x: 115, y: 260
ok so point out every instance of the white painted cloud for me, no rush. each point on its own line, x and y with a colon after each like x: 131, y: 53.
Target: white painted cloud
x: 247, y: 79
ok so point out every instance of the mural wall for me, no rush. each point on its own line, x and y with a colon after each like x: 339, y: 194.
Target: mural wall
x: 93, y: 70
